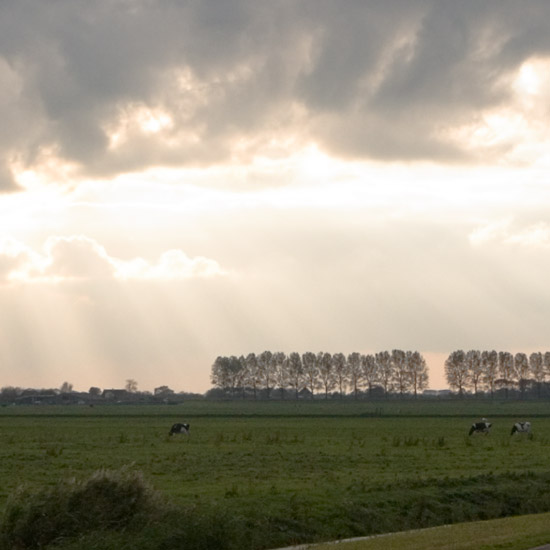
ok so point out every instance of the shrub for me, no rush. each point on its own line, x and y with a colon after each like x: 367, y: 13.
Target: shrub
x: 107, y: 500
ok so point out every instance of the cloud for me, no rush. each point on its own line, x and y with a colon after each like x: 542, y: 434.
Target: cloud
x: 508, y: 233
x: 79, y: 258
x: 76, y: 258
x: 172, y: 265
x: 118, y: 87
x: 537, y: 235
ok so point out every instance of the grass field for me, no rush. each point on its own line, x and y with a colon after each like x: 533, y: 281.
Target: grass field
x: 305, y: 471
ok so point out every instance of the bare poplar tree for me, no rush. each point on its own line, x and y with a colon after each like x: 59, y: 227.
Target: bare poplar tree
x: 311, y: 372
x: 242, y: 376
x: 456, y: 371
x: 546, y: 361
x: 280, y: 364
x: 326, y: 372
x: 475, y: 370
x: 370, y: 371
x: 399, y: 371
x: 340, y: 367
x: 219, y: 374
x: 234, y: 372
x: 295, y: 372
x: 354, y: 372
x: 536, y: 366
x: 489, y: 366
x: 505, y: 370
x: 266, y: 370
x: 418, y: 371
x: 521, y: 370
x: 385, y: 370
x: 253, y: 372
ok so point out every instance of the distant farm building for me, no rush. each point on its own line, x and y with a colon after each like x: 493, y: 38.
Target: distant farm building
x: 115, y: 395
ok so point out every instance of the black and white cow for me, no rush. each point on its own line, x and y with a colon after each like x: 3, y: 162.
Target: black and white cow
x: 482, y: 427
x: 521, y: 428
x: 179, y: 428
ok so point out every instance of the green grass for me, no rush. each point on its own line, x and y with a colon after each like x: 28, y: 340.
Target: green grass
x: 516, y: 533
x: 294, y: 471
x: 270, y: 458
x: 305, y: 407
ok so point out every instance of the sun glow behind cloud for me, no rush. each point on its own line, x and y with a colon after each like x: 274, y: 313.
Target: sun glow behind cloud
x: 520, y: 125
x: 137, y: 119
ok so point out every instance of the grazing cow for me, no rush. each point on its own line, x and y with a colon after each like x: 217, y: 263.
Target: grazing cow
x: 521, y: 427
x: 482, y: 427
x: 179, y: 428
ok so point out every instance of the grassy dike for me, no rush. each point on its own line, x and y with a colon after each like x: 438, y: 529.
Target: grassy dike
x: 516, y: 533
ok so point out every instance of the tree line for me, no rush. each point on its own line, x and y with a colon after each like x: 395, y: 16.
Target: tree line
x: 489, y: 371
x: 398, y: 371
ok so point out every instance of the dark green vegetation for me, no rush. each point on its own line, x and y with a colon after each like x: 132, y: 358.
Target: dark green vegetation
x: 260, y: 475
x: 105, y: 501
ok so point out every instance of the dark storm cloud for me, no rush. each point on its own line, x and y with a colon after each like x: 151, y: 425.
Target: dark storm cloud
x: 372, y: 79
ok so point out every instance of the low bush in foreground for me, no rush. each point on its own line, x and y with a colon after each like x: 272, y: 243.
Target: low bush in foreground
x: 119, y: 511
x: 107, y: 500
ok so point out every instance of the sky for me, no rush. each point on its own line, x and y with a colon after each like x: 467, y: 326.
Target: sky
x: 181, y: 180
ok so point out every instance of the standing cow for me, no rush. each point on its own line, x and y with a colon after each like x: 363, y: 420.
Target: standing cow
x: 179, y: 428
x: 521, y: 428
x: 482, y: 427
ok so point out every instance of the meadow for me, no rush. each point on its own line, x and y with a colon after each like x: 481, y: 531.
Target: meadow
x: 294, y: 472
